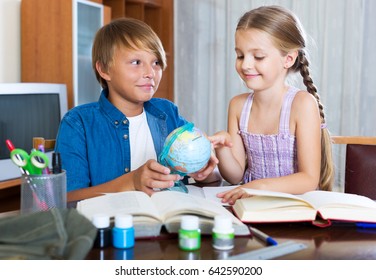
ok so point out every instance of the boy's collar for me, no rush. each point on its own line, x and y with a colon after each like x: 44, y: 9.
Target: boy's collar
x: 116, y: 116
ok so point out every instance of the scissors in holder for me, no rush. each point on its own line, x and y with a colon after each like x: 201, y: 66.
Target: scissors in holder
x: 32, y: 164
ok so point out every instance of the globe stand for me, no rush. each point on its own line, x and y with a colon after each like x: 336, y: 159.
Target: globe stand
x: 165, y: 159
x: 178, y: 187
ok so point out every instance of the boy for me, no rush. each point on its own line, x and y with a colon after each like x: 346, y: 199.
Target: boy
x: 112, y: 145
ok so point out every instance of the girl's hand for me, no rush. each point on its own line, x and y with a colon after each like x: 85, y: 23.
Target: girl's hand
x: 221, y: 139
x: 231, y: 196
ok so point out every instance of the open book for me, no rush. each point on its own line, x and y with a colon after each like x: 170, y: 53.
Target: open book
x: 319, y: 207
x: 163, y: 208
x: 209, y: 193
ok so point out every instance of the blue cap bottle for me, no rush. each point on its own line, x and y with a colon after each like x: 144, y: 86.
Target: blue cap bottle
x: 123, y: 232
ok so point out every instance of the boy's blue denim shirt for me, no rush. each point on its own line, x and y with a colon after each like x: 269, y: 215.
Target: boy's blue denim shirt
x: 93, y: 139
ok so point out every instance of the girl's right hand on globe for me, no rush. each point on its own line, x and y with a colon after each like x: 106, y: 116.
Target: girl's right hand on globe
x: 221, y: 139
x: 153, y: 175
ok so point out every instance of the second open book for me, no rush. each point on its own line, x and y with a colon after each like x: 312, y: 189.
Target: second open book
x: 163, y: 208
x: 319, y: 207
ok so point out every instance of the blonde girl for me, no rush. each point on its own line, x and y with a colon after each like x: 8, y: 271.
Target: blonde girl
x: 277, y: 138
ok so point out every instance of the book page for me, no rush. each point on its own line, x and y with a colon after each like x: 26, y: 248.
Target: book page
x: 172, y: 203
x: 209, y: 193
x: 329, y: 204
x: 321, y: 199
x: 196, y: 191
x: 131, y: 202
x: 265, y: 203
x: 285, y: 196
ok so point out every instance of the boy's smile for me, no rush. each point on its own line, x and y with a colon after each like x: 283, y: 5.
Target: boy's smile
x: 147, y: 87
x: 133, y: 78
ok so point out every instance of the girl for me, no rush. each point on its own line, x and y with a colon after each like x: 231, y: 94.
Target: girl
x: 276, y: 132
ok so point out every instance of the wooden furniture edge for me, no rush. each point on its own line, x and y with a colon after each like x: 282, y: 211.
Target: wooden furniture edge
x: 10, y: 183
x: 47, y: 143
x: 360, y: 140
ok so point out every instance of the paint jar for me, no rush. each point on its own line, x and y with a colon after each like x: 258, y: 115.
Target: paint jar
x: 223, y: 233
x: 189, y: 233
x: 102, y: 223
x: 123, y: 232
x: 123, y: 254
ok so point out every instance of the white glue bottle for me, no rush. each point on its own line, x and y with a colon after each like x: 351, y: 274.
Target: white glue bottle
x: 189, y: 233
x: 223, y: 233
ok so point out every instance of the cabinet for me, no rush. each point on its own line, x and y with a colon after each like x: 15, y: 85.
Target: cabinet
x: 87, y: 19
x: 159, y: 15
x: 56, y: 39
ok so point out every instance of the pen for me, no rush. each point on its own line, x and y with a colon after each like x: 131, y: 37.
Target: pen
x: 41, y: 149
x: 366, y: 225
x: 262, y: 236
x: 56, y: 163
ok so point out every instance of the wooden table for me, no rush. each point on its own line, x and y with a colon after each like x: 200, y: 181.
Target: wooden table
x: 336, y: 242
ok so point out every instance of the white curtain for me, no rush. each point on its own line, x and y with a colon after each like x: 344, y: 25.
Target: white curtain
x: 342, y: 49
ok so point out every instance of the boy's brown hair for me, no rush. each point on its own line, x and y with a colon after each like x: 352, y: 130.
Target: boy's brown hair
x: 126, y: 33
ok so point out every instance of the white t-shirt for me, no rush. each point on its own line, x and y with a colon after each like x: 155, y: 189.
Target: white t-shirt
x: 141, y: 141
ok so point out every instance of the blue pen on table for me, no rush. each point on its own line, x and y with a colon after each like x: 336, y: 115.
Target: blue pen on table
x: 366, y: 225
x: 263, y: 236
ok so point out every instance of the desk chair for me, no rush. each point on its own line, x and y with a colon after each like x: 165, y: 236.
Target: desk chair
x: 360, y: 166
x: 49, y: 144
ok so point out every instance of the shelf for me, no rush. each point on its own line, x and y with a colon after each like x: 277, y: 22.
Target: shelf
x: 50, y: 43
x: 155, y: 3
x: 10, y: 183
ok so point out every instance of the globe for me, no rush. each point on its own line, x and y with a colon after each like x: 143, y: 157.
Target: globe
x: 186, y: 150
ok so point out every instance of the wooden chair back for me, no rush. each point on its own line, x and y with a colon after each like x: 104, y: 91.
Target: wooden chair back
x: 360, y: 164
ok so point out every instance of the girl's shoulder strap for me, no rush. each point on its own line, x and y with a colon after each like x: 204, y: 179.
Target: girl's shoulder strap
x: 246, y: 111
x: 284, y: 122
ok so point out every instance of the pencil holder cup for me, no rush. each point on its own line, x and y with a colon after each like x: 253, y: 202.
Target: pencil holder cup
x: 43, y: 192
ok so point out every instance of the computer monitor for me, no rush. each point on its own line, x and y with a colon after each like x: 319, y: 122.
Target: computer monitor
x: 28, y: 110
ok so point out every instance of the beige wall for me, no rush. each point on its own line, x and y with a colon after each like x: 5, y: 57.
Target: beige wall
x: 10, y: 42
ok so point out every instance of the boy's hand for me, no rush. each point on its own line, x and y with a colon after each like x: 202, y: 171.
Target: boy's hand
x: 207, y: 170
x: 153, y: 175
